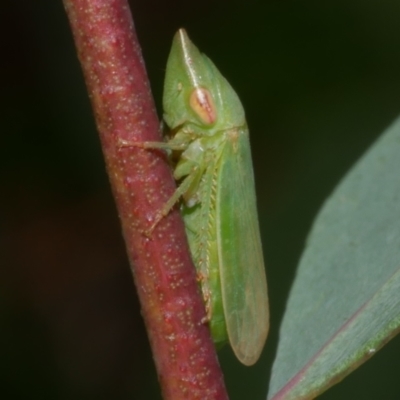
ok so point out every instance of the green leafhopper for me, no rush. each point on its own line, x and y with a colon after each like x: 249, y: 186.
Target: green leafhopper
x: 214, y: 167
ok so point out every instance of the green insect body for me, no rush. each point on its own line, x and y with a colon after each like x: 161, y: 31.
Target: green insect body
x: 215, y: 171
x: 219, y: 205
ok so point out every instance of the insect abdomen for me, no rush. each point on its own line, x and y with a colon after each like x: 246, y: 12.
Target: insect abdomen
x: 200, y: 227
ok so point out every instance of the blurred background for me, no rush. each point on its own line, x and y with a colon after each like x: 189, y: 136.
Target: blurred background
x: 320, y: 81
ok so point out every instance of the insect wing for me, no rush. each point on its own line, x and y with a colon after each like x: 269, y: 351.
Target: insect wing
x: 243, y: 281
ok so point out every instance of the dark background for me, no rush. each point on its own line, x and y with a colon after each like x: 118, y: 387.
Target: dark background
x: 319, y: 82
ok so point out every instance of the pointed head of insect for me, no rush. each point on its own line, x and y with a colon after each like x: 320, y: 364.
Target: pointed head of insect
x: 195, y: 93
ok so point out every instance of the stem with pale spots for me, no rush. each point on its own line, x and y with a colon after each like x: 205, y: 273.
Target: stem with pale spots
x: 142, y: 183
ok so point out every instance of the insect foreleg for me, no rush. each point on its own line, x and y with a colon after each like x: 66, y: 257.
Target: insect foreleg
x: 153, y: 145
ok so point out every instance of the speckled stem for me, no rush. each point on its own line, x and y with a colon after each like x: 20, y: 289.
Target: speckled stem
x: 142, y: 182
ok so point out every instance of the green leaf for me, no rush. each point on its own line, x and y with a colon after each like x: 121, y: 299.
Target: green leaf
x: 345, y: 302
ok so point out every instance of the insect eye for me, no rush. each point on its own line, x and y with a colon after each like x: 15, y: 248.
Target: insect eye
x: 201, y: 102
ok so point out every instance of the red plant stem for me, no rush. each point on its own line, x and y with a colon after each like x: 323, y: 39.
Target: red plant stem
x: 142, y: 182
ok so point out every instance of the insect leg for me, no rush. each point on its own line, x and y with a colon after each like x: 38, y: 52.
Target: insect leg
x: 152, y: 145
x: 179, y: 192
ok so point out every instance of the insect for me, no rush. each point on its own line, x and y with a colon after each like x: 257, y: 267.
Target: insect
x: 214, y: 168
